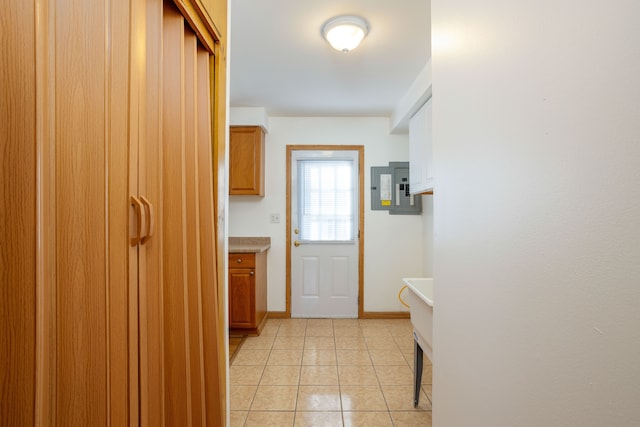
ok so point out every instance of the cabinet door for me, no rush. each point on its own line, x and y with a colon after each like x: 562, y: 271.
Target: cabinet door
x: 420, y: 150
x: 246, y: 160
x: 241, y: 297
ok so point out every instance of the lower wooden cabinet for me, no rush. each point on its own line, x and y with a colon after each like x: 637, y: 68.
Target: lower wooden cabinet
x: 247, y: 292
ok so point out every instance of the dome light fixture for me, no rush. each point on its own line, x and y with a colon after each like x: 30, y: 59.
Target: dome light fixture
x: 345, y: 32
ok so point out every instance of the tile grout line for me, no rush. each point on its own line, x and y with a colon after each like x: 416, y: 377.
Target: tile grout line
x: 304, y: 346
x: 264, y: 368
x: 378, y: 379
x: 335, y: 353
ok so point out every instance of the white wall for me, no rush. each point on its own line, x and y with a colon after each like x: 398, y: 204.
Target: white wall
x: 393, y: 243
x: 537, y: 213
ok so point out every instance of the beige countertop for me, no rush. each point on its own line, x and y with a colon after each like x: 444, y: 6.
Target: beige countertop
x: 249, y: 244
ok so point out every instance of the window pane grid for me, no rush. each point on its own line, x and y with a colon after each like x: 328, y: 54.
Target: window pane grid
x: 326, y: 200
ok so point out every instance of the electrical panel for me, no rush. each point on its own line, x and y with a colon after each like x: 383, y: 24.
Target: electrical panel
x: 390, y: 190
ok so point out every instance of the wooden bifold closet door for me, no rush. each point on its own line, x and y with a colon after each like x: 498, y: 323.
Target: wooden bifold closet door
x: 181, y: 356
x: 110, y: 300
x: 65, y: 337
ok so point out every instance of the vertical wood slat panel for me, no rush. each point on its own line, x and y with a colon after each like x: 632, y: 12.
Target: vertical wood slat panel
x: 18, y: 214
x: 218, y: 63
x: 46, y: 297
x: 80, y: 71
x: 178, y: 396
x: 194, y: 306
x: 213, y: 377
x: 152, y: 390
x: 122, y: 294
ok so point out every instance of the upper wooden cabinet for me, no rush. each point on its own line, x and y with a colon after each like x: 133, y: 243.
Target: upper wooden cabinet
x: 246, y: 160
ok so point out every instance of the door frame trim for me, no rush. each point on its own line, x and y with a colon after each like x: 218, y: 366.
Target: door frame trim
x: 360, y: 150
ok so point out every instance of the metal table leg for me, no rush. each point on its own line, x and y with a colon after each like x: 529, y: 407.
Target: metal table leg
x: 417, y: 363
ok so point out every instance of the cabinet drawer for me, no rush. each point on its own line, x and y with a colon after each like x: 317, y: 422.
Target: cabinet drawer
x: 243, y: 260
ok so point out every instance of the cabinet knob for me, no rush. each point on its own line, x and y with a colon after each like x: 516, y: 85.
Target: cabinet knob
x: 251, y: 273
x: 239, y: 260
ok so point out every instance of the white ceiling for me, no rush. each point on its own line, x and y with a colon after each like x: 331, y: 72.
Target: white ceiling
x: 279, y: 60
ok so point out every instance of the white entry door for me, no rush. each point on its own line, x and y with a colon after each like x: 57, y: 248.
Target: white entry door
x: 324, y: 229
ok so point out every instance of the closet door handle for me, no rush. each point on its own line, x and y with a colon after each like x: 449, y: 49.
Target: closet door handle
x: 150, y: 223
x: 137, y: 206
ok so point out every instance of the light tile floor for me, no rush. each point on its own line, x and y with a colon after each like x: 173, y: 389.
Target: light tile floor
x: 329, y: 372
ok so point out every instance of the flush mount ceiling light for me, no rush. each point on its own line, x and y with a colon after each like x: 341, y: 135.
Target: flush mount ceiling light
x: 344, y: 33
